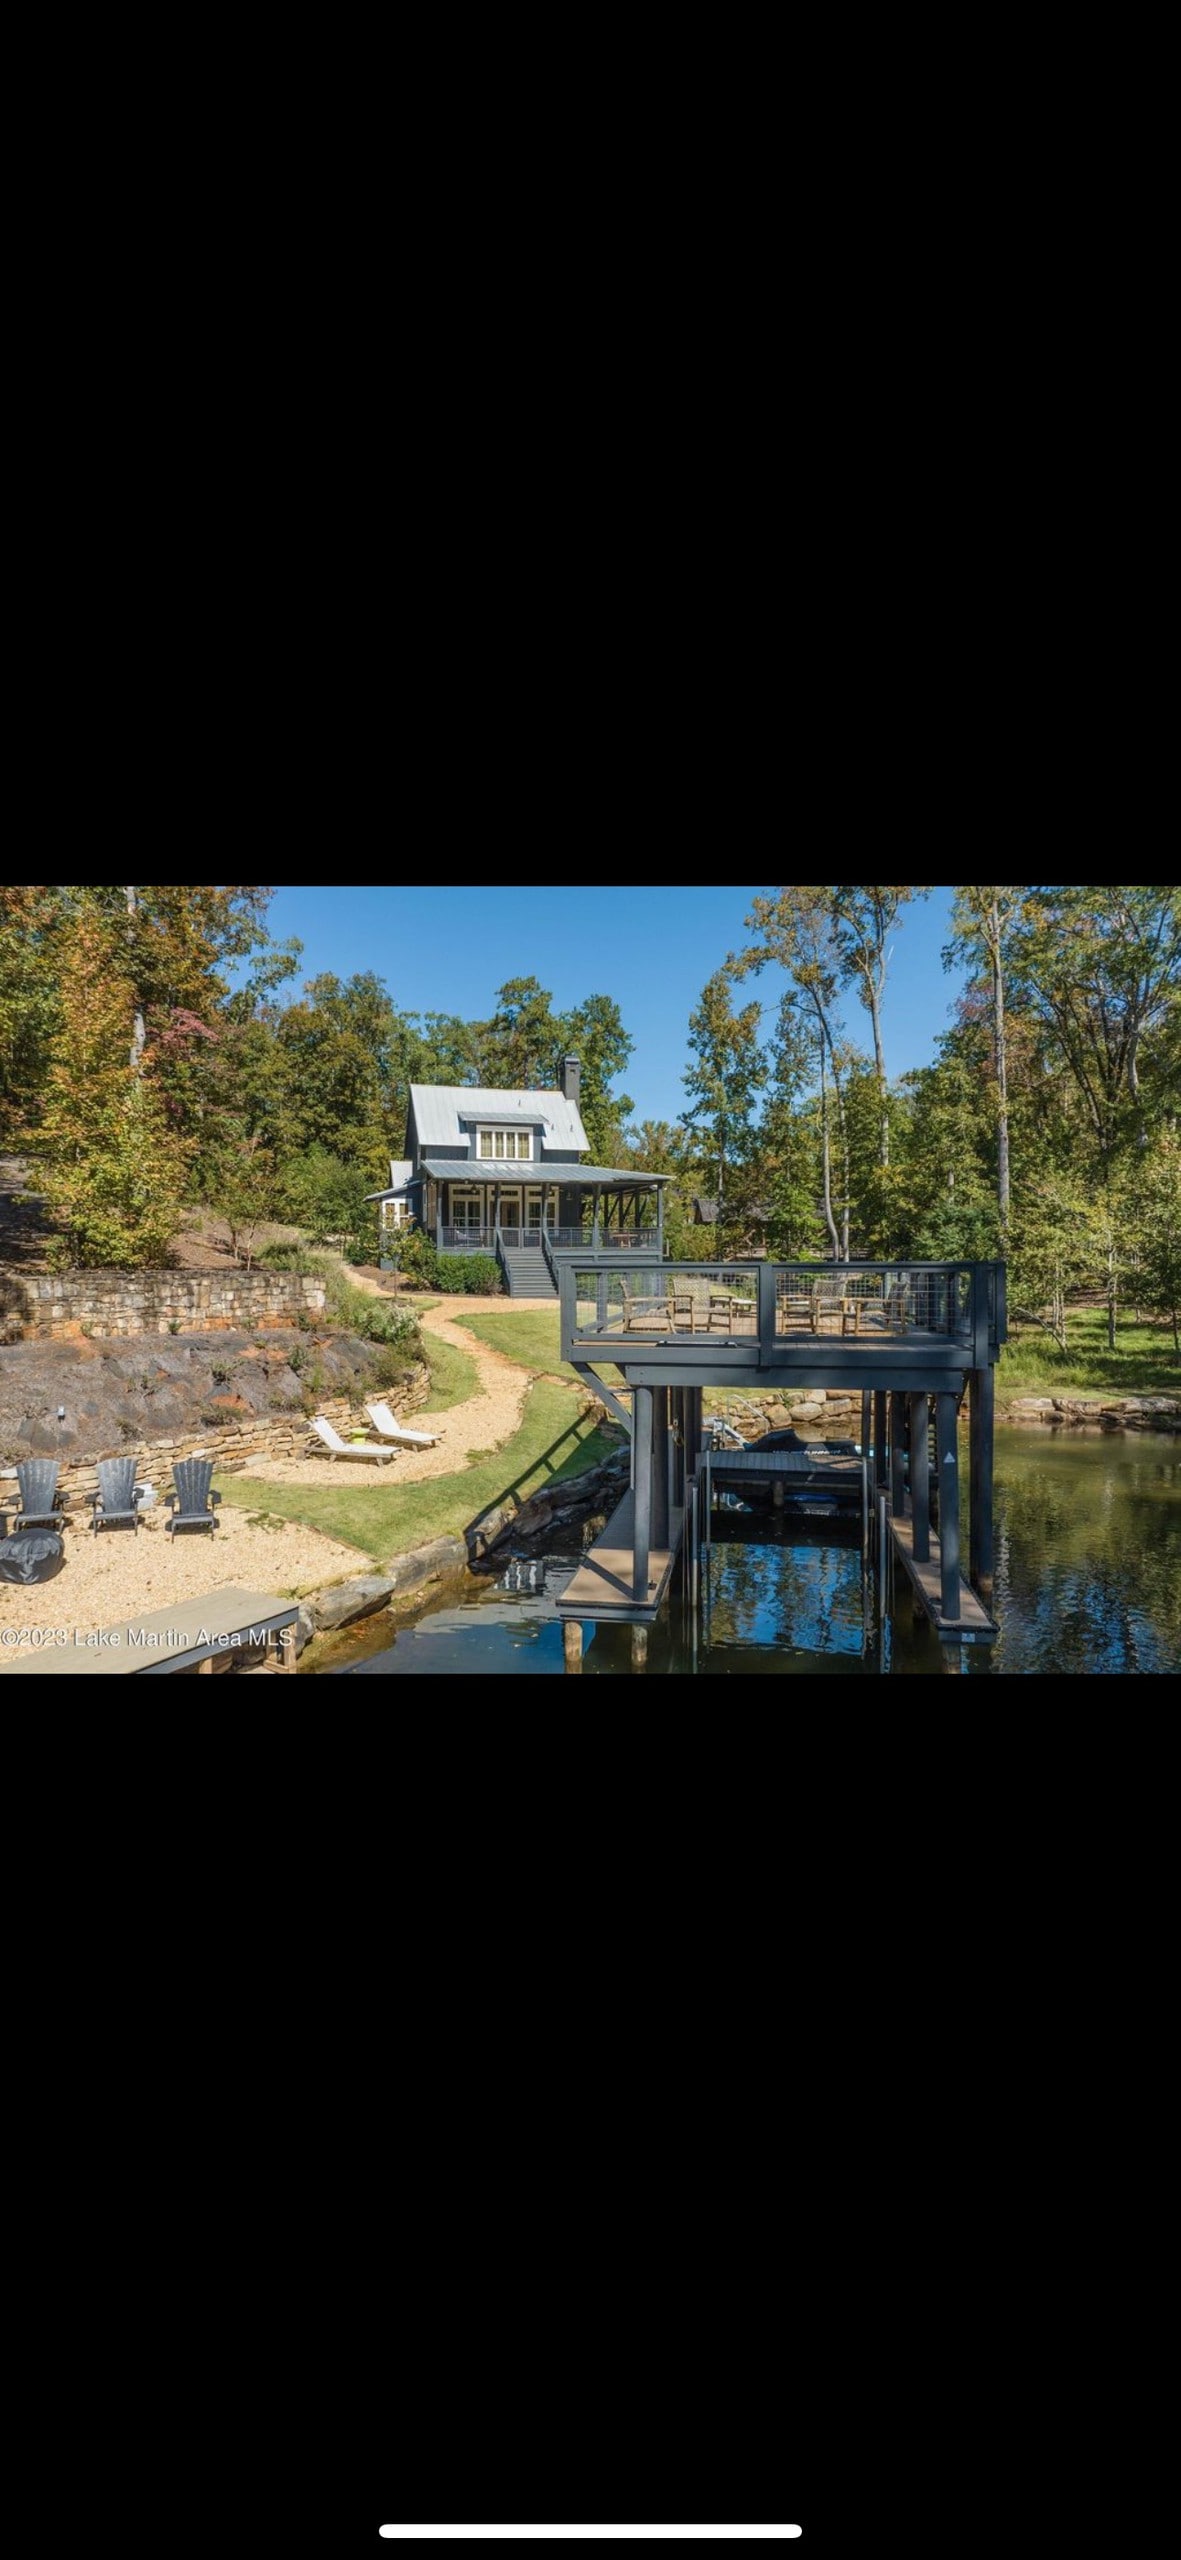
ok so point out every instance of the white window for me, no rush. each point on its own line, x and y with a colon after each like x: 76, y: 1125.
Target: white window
x: 505, y: 1146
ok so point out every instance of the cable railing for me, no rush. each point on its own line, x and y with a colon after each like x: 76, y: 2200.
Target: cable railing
x: 775, y: 1305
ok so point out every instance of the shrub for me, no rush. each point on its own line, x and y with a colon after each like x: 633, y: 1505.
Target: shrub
x: 370, y: 1318
x: 418, y: 1258
x: 471, y: 1275
x: 174, y: 1324
x: 390, y: 1366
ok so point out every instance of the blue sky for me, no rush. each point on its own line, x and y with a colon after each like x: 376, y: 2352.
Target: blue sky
x: 447, y: 950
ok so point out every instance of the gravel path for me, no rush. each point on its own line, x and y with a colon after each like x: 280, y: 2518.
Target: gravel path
x: 121, y: 1573
x: 486, y: 1422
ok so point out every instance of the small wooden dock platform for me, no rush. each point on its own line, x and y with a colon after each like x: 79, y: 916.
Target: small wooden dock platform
x: 189, y: 1635
x: 602, y: 1585
x: 973, y: 1625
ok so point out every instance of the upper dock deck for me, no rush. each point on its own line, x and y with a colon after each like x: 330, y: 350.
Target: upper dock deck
x: 905, y: 1325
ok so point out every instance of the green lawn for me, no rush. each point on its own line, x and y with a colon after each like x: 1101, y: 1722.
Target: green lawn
x: 383, y: 1519
x: 455, y: 1378
x: 1144, y: 1361
x: 528, y: 1334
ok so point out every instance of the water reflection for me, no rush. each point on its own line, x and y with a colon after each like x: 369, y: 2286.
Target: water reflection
x: 1088, y: 1579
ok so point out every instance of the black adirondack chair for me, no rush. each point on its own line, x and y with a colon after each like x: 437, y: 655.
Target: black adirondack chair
x: 115, y: 1499
x: 191, y: 1504
x: 38, y: 1506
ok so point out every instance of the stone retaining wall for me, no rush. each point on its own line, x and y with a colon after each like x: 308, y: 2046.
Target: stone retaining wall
x: 833, y: 1415
x: 233, y: 1445
x: 60, y: 1306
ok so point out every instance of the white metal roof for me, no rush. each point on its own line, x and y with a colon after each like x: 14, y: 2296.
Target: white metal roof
x: 443, y: 1111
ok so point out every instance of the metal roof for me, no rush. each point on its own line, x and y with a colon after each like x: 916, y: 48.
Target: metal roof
x: 571, y: 1177
x: 439, y: 1108
x: 401, y: 1169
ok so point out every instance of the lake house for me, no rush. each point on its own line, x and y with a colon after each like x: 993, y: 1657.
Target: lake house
x: 505, y: 1173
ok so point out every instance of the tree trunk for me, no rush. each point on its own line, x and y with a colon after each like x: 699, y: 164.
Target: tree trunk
x: 880, y: 1063
x: 1002, y: 1081
x: 826, y: 1161
x: 139, y: 1032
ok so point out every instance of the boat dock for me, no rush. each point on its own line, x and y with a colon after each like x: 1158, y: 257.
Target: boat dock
x: 189, y: 1635
x: 912, y: 1340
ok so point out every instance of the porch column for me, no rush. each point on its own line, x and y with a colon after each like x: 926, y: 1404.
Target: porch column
x: 982, y: 1402
x: 596, y: 1229
x: 438, y: 1189
x: 660, y: 1456
x: 660, y: 1222
x: 642, y: 1506
x: 898, y: 1456
x: 920, y: 1479
x: 949, y: 1506
x: 880, y: 1468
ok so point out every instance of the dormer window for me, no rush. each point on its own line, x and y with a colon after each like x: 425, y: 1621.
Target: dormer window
x: 505, y: 1146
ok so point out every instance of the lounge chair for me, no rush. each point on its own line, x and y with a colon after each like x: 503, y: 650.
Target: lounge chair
x: 190, y: 1504
x: 38, y: 1506
x: 115, y: 1499
x: 384, y: 1423
x: 338, y: 1448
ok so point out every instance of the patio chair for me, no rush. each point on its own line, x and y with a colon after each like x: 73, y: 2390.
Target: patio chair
x: 327, y: 1433
x: 388, y: 1429
x: 115, y: 1498
x: 191, y: 1503
x: 641, y: 1313
x: 828, y: 1298
x: 38, y: 1506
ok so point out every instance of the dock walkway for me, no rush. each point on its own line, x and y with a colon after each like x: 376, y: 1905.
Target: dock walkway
x: 189, y: 1635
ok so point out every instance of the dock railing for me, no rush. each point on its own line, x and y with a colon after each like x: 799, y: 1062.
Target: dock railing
x: 785, y: 1304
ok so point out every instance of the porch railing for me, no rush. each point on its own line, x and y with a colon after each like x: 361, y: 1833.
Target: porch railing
x: 561, y: 1239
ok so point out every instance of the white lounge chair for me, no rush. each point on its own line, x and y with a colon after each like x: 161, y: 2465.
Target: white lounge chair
x: 383, y: 1421
x: 338, y: 1448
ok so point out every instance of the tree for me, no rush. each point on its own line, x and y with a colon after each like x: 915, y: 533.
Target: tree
x: 787, y: 1155
x: 594, y: 1034
x: 338, y: 1049
x: 32, y: 922
x: 983, y: 921
x: 727, y: 1073
x: 113, y: 1168
x: 1159, y: 1233
x: 863, y: 919
x: 520, y: 1043
x: 1100, y: 969
x: 794, y: 928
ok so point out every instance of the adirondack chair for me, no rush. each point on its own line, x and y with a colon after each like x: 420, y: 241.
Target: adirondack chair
x: 115, y: 1499
x: 191, y: 1502
x: 38, y: 1507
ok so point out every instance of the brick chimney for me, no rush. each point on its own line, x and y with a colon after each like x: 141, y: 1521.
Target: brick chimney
x: 571, y: 1080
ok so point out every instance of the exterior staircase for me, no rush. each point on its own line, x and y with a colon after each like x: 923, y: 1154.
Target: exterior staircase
x: 528, y: 1273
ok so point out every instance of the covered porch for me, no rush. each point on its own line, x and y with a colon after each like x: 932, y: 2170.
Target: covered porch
x: 551, y: 1210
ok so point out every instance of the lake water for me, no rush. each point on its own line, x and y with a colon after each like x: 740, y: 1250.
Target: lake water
x: 1088, y: 1554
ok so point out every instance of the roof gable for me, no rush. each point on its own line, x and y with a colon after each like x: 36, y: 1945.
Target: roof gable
x: 445, y: 1113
